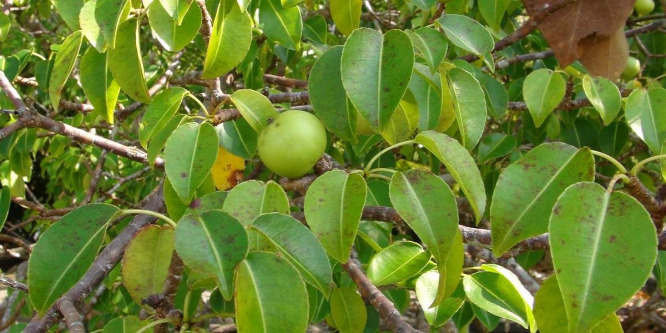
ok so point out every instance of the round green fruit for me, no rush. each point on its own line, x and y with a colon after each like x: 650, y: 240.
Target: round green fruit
x: 631, y: 69
x: 644, y: 7
x: 292, y: 143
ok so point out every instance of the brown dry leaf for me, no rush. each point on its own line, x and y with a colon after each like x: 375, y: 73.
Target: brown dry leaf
x: 607, y: 56
x: 584, y: 26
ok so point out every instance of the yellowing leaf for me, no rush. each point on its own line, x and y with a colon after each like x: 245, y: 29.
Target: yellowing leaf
x: 227, y: 170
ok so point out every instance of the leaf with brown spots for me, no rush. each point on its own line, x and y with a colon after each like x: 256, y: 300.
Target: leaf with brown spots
x: 590, y: 30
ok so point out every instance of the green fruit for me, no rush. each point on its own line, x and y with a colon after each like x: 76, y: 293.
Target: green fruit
x: 631, y: 69
x: 291, y: 144
x: 644, y: 7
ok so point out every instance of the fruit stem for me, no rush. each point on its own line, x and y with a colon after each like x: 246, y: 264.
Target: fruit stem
x: 374, y: 158
x: 615, y: 162
x: 147, y: 212
x: 639, y: 165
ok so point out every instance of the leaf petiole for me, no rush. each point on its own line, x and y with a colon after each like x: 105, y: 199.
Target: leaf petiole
x: 640, y: 164
x: 609, y: 158
x: 147, y: 212
x: 376, y: 157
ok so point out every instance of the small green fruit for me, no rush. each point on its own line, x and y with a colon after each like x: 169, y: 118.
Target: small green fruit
x: 631, y: 69
x: 291, y: 144
x: 644, y: 7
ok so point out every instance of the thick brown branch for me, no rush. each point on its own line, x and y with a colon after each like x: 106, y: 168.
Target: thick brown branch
x: 102, y: 265
x: 72, y: 316
x: 285, y: 81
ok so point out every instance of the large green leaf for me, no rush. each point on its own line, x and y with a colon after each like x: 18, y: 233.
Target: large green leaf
x: 604, y: 96
x: 644, y: 113
x: 493, y: 11
x: 127, y: 324
x: 229, y: 41
x: 109, y: 15
x: 98, y: 84
x: 346, y: 15
x: 333, y: 207
x: 460, y: 164
x: 468, y: 102
x: 551, y: 316
x: 281, y: 25
x: 90, y: 26
x: 69, y: 11
x: 213, y: 242
x: 426, y: 292
x: 403, y: 122
x: 160, y: 112
x: 125, y: 61
x: 496, y: 145
x: 172, y: 34
x: 189, y: 155
x: 265, y: 283
x: 494, y: 293
x: 397, y: 262
x: 160, y: 137
x: 65, y: 251
x: 348, y: 310
x: 528, y: 188
x: 431, y: 44
x: 299, y: 246
x: 255, y: 108
x: 543, y: 90
x: 146, y: 261
x: 64, y: 63
x: 177, y: 9
x: 375, y: 72
x: 601, y: 260
x: 238, y: 137
x: 467, y: 34
x: 329, y: 98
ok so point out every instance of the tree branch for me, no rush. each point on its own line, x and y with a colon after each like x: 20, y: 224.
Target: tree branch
x: 72, y: 316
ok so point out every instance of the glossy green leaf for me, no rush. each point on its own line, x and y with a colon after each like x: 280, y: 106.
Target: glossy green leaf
x: 486, y: 318
x: 348, y: 310
x: 427, y: 94
x: 493, y: 11
x: 127, y: 324
x: 468, y: 102
x: 543, y: 91
x: 229, y: 41
x: 175, y: 207
x: 160, y: 137
x: 189, y: 155
x: 424, y: 5
x: 426, y: 292
x: 528, y: 188
x: 177, y: 9
x: 397, y: 262
x: 5, y: 25
x: 431, y: 44
x: 125, y: 61
x: 613, y: 137
x: 316, y: 29
x: 254, y: 107
x: 146, y: 261
x: 5, y: 200
x: 403, y: 122
x: 604, y: 96
x: 551, y: 316
x: 333, y: 207
x: 64, y: 63
x: 98, y: 83
x: 450, y: 270
x: 346, y: 15
x: 329, y: 98
x: 213, y: 242
x: 281, y: 25
x: 601, y: 260
x: 460, y: 164
x: 65, y: 251
x: 172, y: 34
x: 299, y: 246
x: 110, y: 14
x: 494, y: 293
x: 90, y: 26
x: 375, y: 71
x: 518, y: 286
x: 643, y: 112
x: 69, y: 11
x: 496, y: 145
x: 429, y: 207
x: 265, y: 281
x: 467, y: 34
x: 238, y: 137
x: 160, y: 112
x: 497, y: 98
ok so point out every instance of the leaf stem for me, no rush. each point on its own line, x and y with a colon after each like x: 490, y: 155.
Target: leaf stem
x: 609, y: 158
x: 639, y: 165
x: 203, y: 107
x: 186, y: 306
x: 376, y: 175
x: 611, y: 184
x: 374, y: 158
x: 375, y: 170
x: 173, y: 321
x: 148, y: 212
